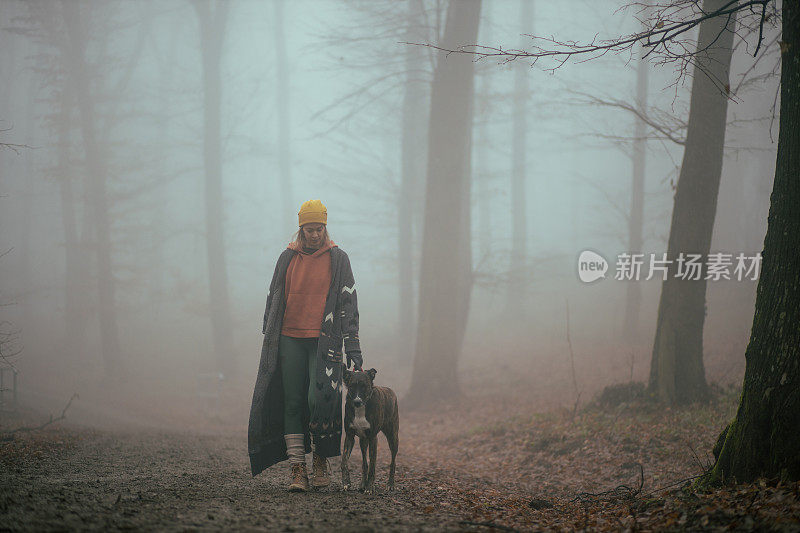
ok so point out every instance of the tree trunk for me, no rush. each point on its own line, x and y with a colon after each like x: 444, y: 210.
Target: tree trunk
x: 74, y: 265
x: 763, y: 440
x: 483, y: 156
x: 212, y: 17
x: 159, y: 203
x: 633, y: 297
x: 97, y: 174
x: 519, y: 150
x: 445, y: 272
x: 676, y: 369
x: 282, y: 102
x: 413, y: 148
x: 25, y: 220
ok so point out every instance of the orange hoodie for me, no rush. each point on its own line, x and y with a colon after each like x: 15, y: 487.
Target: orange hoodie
x: 308, y: 280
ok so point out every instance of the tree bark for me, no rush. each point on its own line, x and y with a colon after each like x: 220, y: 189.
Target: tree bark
x: 633, y: 297
x: 212, y: 17
x: 97, y: 173
x: 677, y: 374
x: 413, y: 151
x: 446, y: 270
x: 764, y: 440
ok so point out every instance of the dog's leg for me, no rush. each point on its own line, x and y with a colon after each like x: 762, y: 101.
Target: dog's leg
x: 373, y: 453
x: 394, y: 441
x: 349, y: 440
x: 362, y: 441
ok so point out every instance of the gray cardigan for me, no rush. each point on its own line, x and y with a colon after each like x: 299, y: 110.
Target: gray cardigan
x: 265, y: 442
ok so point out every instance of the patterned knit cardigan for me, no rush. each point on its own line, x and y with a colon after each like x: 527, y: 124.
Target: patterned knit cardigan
x: 265, y: 442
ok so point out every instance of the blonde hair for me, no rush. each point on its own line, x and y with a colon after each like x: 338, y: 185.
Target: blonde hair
x: 299, y: 238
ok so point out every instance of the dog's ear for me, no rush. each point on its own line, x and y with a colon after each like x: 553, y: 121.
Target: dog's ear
x: 346, y: 376
x: 372, y: 373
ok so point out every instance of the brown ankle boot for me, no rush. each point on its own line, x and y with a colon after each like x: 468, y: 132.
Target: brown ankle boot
x: 299, y: 478
x: 319, y: 475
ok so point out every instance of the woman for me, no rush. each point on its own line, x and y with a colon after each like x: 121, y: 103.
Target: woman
x: 297, y: 404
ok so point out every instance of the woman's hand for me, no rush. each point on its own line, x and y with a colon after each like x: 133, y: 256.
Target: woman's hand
x: 354, y: 359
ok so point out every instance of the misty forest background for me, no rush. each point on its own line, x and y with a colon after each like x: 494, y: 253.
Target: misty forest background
x: 159, y: 151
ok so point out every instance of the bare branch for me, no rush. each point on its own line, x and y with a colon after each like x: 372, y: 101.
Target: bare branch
x: 668, y: 24
x: 668, y: 132
x: 11, y: 146
x: 16, y: 148
x: 25, y: 429
x: 8, y: 342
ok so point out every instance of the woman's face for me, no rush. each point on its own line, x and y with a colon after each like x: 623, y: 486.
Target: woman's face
x: 313, y: 234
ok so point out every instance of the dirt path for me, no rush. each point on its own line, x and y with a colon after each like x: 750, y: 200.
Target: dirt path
x: 509, y: 461
x: 72, y: 476
x: 180, y: 481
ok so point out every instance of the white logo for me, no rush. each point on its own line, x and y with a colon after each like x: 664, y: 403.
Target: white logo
x: 591, y: 266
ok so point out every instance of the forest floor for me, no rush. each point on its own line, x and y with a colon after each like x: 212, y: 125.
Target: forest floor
x: 484, y: 462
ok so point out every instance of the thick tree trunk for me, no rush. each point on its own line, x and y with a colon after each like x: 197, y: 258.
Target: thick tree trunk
x: 764, y: 439
x: 633, y: 297
x: 445, y: 273
x: 97, y: 174
x: 413, y: 151
x: 519, y: 223
x: 676, y: 369
x: 212, y: 17
x: 282, y: 103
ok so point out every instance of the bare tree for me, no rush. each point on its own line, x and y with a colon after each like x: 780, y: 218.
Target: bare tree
x: 482, y: 171
x: 409, y: 79
x: 446, y: 269
x: 75, y: 315
x: 9, y: 334
x: 75, y: 20
x: 519, y: 154
x: 413, y: 150
x: 212, y: 17
x: 53, y: 31
x: 677, y: 373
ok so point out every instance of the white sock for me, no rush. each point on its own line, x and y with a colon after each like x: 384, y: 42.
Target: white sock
x: 295, y: 448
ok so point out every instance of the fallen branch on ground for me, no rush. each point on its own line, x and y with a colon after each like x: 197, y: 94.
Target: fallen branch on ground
x: 620, y: 491
x: 9, y: 436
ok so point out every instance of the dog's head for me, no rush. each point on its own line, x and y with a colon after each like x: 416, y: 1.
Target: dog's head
x: 359, y: 386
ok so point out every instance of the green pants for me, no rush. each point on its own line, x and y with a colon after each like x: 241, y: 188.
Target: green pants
x: 298, y: 370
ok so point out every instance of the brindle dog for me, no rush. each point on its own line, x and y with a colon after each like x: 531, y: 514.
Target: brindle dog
x: 368, y: 410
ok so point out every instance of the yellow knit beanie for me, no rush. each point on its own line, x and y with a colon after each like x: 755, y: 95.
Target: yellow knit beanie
x: 313, y: 211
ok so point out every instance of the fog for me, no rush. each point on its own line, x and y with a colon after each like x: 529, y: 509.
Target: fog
x: 149, y: 186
